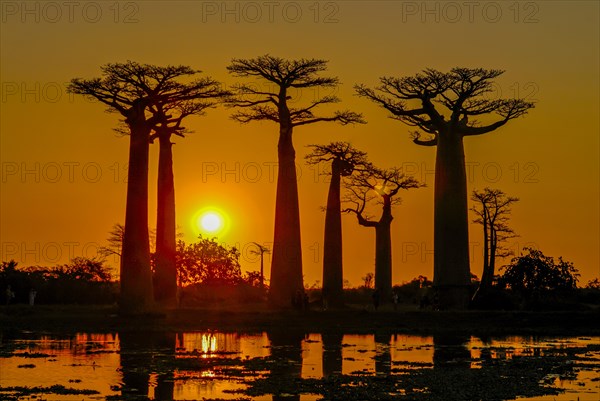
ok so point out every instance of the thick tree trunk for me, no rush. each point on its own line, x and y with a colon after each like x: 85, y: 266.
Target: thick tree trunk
x: 286, y: 267
x: 383, y: 355
x: 451, y: 234
x: 333, y: 280
x: 492, y: 257
x: 383, y: 254
x: 332, y: 354
x: 136, y: 277
x: 486, y: 280
x: 165, y: 276
x: 286, y: 348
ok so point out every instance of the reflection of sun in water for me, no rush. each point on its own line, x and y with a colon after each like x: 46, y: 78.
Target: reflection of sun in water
x: 211, y: 222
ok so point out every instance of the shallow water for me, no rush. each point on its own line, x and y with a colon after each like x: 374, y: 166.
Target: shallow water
x: 216, y: 365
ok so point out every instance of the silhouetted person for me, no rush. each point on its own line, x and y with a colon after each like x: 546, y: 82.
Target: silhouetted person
x: 32, y: 294
x: 376, y: 298
x: 395, y: 300
x: 9, y: 295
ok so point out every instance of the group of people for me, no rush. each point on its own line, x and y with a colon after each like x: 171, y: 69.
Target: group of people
x: 10, y: 295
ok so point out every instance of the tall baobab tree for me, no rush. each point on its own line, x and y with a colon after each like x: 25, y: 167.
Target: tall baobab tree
x: 261, y: 250
x: 131, y: 89
x: 492, y: 210
x: 202, y: 94
x: 445, y: 108
x: 344, y: 159
x: 272, y: 103
x: 374, y: 184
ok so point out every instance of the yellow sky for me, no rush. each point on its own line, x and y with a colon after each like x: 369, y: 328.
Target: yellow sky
x: 63, y: 168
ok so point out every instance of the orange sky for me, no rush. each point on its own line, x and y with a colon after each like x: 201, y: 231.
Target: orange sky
x: 63, y: 168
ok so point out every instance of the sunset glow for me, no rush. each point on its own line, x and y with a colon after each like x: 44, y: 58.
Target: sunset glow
x: 211, y: 222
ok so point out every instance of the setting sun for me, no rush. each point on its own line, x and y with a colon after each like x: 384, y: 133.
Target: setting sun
x: 211, y: 222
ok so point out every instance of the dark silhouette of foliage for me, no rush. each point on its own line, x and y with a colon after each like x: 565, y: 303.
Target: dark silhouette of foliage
x: 445, y: 108
x: 368, y: 280
x: 535, y: 273
x: 593, y: 284
x: 115, y: 242
x: 207, y: 262
x: 253, y: 103
x: 492, y: 209
x: 343, y: 159
x: 82, y: 281
x: 374, y: 185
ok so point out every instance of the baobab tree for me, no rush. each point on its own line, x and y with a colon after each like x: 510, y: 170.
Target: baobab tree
x: 201, y: 94
x: 133, y: 90
x: 281, y: 78
x: 261, y: 250
x: 344, y: 159
x: 492, y: 210
x: 382, y: 186
x: 445, y: 108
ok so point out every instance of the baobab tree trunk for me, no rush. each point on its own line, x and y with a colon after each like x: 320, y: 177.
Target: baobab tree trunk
x: 383, y: 254
x: 451, y: 235
x: 486, y: 281
x: 136, y: 277
x: 286, y: 267
x: 489, y: 276
x: 333, y: 280
x: 165, y: 277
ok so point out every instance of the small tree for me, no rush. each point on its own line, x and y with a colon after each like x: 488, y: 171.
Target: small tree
x: 534, y: 274
x: 256, y: 104
x: 492, y: 209
x: 261, y: 250
x: 343, y: 159
x: 368, y: 280
x: 208, y: 262
x: 382, y: 186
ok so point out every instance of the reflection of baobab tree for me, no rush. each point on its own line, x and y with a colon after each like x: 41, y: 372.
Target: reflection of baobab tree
x: 261, y: 250
x: 332, y: 354
x: 139, y: 355
x: 451, y: 351
x: 344, y: 159
x: 383, y: 355
x: 286, y: 351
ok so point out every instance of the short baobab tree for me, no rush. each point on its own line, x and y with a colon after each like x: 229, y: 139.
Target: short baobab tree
x: 343, y: 159
x: 273, y: 101
x: 382, y: 186
x: 446, y: 107
x: 492, y: 208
